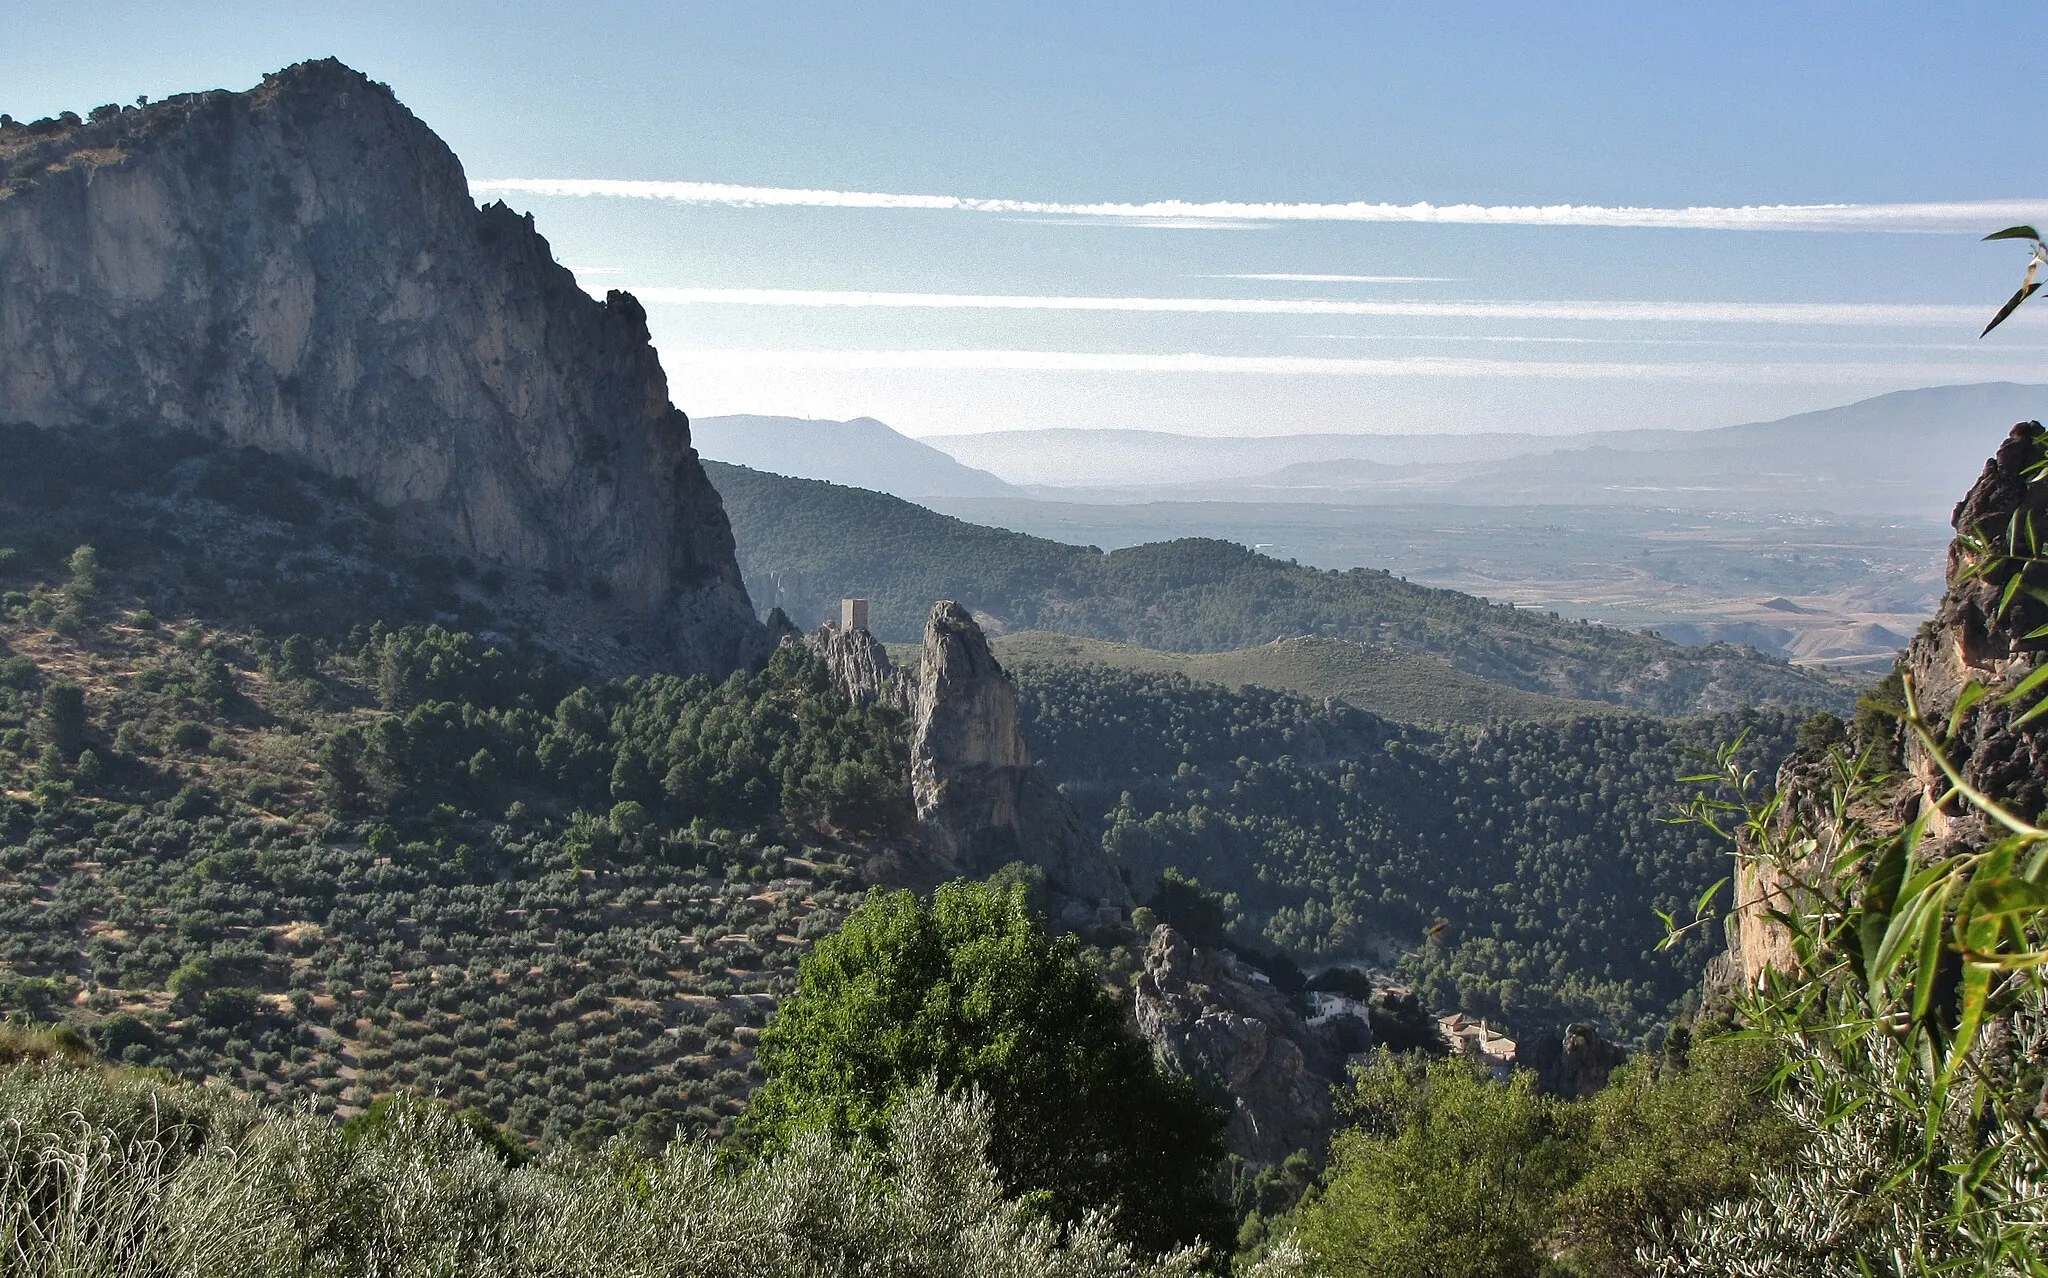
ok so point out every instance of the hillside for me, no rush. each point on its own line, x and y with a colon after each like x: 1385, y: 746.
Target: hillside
x: 262, y: 821
x: 804, y: 544
x: 1394, y: 685
x: 1543, y: 850
x: 862, y: 453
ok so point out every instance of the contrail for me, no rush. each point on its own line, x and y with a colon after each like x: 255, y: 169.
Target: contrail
x: 1312, y: 366
x: 1860, y: 314
x: 1949, y: 217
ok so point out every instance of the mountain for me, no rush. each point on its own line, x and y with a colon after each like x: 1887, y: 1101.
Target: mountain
x: 804, y: 544
x: 1902, y: 454
x: 1068, y: 456
x: 862, y: 453
x: 300, y: 269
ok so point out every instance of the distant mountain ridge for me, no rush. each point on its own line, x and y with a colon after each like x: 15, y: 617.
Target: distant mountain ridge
x: 862, y: 453
x: 1901, y: 453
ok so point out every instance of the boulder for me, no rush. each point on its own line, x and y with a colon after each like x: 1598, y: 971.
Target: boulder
x: 1238, y: 1038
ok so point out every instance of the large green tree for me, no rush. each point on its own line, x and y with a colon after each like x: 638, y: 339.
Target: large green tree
x: 1444, y: 1174
x: 967, y: 989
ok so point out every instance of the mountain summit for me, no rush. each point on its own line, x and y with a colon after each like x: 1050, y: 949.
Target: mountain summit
x: 300, y: 269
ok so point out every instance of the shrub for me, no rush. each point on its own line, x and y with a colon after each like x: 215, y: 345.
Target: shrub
x: 190, y: 736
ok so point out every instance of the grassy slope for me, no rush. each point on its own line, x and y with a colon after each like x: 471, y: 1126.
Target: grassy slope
x: 803, y: 544
x: 1410, y: 689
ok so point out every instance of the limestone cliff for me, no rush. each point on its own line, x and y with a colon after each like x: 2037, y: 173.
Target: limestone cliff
x: 300, y: 269
x: 980, y: 803
x: 1209, y: 1018
x: 1979, y: 633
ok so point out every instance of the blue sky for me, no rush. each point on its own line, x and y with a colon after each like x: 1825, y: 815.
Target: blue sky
x: 1068, y: 307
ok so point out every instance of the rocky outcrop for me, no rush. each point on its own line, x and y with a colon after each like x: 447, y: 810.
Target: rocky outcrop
x: 1574, y: 1064
x: 1208, y: 1018
x: 1980, y: 634
x: 1983, y: 633
x: 980, y: 803
x: 300, y: 269
x: 861, y: 667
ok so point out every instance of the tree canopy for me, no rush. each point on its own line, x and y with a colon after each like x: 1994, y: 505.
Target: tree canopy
x: 967, y: 990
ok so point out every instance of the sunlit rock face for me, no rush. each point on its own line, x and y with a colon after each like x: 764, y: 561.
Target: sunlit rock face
x: 980, y: 804
x: 1208, y: 1018
x: 300, y: 269
x: 1982, y: 633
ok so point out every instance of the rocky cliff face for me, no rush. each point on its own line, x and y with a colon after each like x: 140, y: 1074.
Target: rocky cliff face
x: 1212, y: 1021
x: 300, y: 269
x: 980, y: 802
x: 1980, y: 633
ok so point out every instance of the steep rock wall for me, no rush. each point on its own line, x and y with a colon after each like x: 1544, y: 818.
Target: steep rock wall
x: 1980, y: 633
x: 300, y: 269
x: 980, y: 802
x: 1209, y: 1020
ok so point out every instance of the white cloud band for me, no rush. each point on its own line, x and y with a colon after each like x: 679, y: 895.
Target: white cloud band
x: 1952, y: 217
x: 1859, y: 314
x: 1292, y: 365
x: 1340, y: 279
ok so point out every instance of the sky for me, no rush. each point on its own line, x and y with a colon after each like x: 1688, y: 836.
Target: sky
x: 1226, y: 219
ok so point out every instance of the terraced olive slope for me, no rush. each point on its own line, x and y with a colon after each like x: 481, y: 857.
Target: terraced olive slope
x: 249, y: 836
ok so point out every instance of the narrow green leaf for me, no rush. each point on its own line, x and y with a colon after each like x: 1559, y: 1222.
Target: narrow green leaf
x: 1972, y: 693
x: 2009, y: 896
x: 2012, y: 589
x: 1976, y: 988
x: 2026, y: 291
x: 1699, y: 908
x: 2027, y: 685
x: 1927, y: 968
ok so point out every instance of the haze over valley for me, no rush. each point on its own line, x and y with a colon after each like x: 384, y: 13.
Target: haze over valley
x: 1819, y: 538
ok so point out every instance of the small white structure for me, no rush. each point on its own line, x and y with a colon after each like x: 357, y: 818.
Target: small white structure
x: 853, y: 615
x: 1480, y: 1041
x: 1324, y: 1007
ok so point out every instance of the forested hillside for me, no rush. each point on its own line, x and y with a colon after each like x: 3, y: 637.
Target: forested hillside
x: 804, y: 544
x: 1405, y: 686
x: 1542, y: 850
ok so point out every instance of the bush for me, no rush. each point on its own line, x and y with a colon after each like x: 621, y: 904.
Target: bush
x: 190, y: 736
x: 1444, y: 1173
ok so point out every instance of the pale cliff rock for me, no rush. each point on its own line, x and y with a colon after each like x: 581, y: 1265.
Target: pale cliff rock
x: 861, y: 667
x: 980, y: 802
x: 300, y: 269
x: 1207, y: 1018
x: 1968, y: 639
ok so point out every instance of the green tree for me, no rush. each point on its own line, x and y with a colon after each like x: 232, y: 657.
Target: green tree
x: 1669, y: 1136
x: 1446, y: 1174
x: 64, y: 717
x: 968, y: 990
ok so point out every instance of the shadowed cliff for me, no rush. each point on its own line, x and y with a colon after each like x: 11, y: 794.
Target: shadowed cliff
x: 300, y: 269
